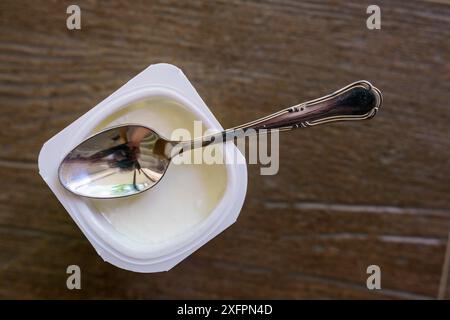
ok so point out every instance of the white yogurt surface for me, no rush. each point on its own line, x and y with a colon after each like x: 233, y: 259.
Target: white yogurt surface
x: 185, y: 196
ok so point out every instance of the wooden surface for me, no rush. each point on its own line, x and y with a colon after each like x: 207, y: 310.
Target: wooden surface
x: 347, y: 195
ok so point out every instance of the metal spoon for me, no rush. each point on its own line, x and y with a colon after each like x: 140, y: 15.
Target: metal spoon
x: 129, y: 159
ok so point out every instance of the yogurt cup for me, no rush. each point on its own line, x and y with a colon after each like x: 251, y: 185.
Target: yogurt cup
x: 160, y: 81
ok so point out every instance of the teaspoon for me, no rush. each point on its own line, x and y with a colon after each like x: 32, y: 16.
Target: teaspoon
x: 129, y: 159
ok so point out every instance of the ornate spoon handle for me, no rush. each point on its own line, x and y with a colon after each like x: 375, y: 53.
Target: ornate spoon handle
x: 357, y: 101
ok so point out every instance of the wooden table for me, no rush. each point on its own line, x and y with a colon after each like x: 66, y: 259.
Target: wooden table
x: 347, y: 195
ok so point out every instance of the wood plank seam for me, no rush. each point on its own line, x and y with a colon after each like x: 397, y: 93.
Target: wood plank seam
x: 445, y: 272
x: 16, y: 164
x: 343, y: 207
x: 347, y: 284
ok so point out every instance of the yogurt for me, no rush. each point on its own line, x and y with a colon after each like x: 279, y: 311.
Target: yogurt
x: 185, y: 196
x: 192, y: 204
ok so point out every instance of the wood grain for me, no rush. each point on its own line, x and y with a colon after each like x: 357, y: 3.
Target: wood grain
x: 346, y: 196
x: 293, y: 250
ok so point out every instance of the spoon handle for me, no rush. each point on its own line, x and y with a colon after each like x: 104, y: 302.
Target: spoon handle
x: 357, y: 101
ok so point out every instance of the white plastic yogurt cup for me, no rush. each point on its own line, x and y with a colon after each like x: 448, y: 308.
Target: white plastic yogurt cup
x: 161, y: 81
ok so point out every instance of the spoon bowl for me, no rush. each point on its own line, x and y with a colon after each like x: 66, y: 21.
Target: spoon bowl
x: 116, y: 162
